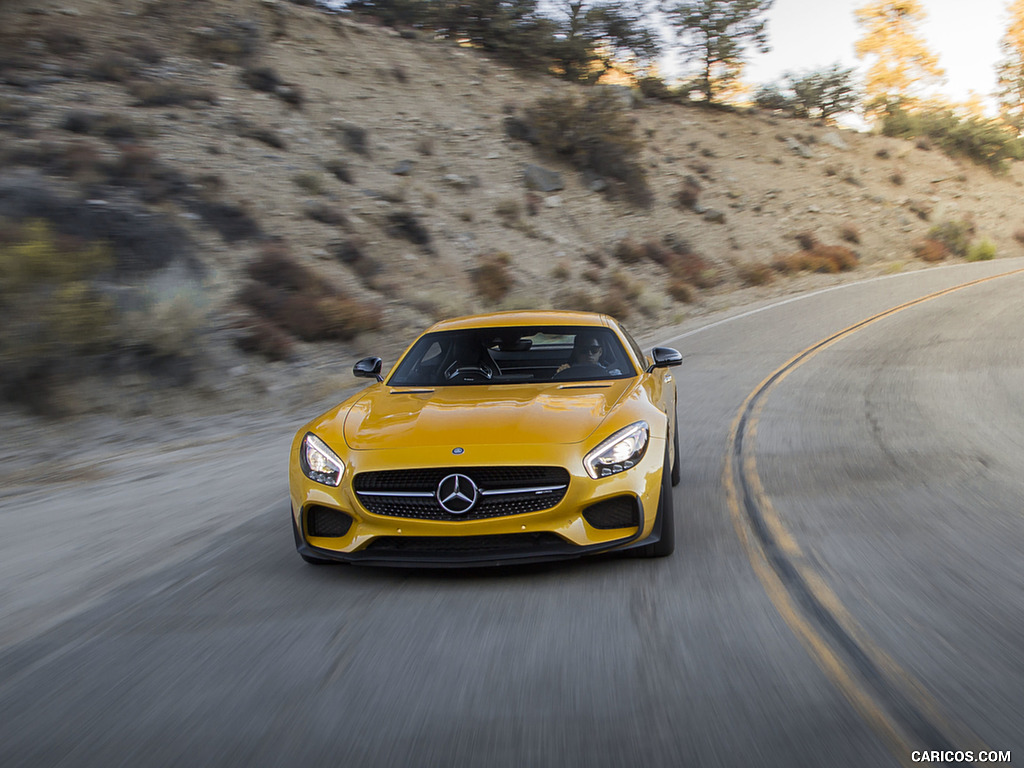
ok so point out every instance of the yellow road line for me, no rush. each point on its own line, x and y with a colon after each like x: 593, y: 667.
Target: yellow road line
x: 843, y: 673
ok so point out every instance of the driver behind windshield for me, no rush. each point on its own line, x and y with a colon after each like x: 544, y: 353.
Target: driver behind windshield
x: 587, y: 350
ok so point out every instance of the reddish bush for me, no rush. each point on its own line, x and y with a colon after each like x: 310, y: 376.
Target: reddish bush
x: 289, y: 296
x: 688, y: 194
x: 492, y: 278
x: 680, y: 291
x: 629, y: 251
x: 850, y: 233
x: 930, y: 250
x: 820, y: 258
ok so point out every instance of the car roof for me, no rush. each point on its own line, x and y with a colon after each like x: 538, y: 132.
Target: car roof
x: 522, y: 317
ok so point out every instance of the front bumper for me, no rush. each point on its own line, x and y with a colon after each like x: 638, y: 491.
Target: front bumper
x: 558, y: 533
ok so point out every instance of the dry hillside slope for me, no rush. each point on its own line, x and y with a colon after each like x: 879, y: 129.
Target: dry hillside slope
x: 230, y: 132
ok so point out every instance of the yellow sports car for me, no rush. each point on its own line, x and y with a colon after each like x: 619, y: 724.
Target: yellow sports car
x: 499, y: 438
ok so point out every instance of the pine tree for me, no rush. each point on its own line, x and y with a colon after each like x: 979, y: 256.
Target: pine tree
x: 903, y: 66
x: 1011, y: 68
x: 715, y: 34
x: 594, y: 36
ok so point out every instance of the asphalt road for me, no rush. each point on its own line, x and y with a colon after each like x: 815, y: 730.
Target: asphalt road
x: 846, y: 588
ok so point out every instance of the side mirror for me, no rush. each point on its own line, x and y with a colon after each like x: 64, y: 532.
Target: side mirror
x: 368, y: 368
x: 665, y: 357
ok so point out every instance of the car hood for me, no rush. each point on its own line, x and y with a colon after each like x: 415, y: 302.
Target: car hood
x: 386, y: 417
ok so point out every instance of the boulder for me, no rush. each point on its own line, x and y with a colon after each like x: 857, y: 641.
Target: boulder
x: 541, y: 179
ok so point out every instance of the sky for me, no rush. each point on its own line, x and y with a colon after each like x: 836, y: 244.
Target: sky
x: 807, y: 35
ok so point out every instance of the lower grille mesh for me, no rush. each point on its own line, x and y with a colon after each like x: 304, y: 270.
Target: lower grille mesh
x: 324, y: 521
x: 509, y: 542
x: 617, y: 512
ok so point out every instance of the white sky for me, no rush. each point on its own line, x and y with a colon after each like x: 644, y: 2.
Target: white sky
x: 813, y: 34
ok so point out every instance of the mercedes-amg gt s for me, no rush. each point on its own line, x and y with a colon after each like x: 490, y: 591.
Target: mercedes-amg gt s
x: 499, y: 438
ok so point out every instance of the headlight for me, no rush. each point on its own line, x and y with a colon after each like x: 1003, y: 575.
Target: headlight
x: 318, y: 462
x: 619, y: 452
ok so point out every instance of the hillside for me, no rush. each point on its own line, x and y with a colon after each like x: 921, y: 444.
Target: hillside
x: 202, y: 137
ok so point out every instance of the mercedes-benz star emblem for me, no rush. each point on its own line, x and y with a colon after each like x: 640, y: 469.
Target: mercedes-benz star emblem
x: 457, y: 494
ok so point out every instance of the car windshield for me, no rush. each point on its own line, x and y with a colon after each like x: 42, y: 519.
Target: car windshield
x: 513, y: 355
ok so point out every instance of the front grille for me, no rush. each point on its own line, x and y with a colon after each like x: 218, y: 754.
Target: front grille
x: 500, y: 543
x: 503, y: 491
x: 324, y: 521
x: 617, y: 512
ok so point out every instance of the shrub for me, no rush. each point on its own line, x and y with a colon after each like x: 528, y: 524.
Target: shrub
x: 263, y: 79
x: 681, y: 291
x: 62, y: 41
x: 139, y: 239
x: 755, y: 274
x: 232, y: 222
x: 352, y: 253
x: 491, y: 278
x: 771, y: 98
x: 325, y: 214
x: 983, y: 141
x: 166, y: 318
x: 629, y: 251
x: 820, y: 94
x: 930, y: 250
x: 594, y: 134
x: 266, y: 80
x: 844, y: 258
x: 339, y: 169
x: 248, y: 130
x: 1019, y: 236
x: 620, y: 284
x: 264, y: 338
x: 288, y: 295
x: 165, y: 94
x: 687, y: 195
x: 354, y: 138
x: 310, y: 183
x: 818, y: 258
x: 113, y: 67
x: 808, y: 241
x: 405, y: 225
x: 139, y: 168
x: 654, y: 87
x: 954, y: 235
x: 117, y: 127
x: 688, y: 267
x: 509, y: 211
x: 850, y: 233
x: 658, y: 252
x: 983, y: 251
x: 615, y: 305
x: 234, y: 42
x: 50, y: 308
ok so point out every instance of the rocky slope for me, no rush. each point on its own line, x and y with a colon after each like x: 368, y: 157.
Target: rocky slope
x: 194, y: 133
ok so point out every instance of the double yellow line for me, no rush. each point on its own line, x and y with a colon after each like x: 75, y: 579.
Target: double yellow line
x: 891, y: 702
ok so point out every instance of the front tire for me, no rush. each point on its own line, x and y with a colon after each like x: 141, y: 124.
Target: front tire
x: 666, y: 544
x: 675, y: 447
